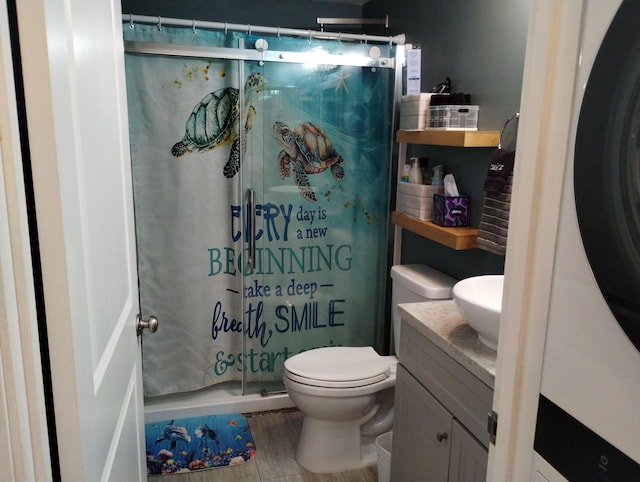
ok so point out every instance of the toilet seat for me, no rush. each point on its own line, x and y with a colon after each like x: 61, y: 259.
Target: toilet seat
x: 338, y: 367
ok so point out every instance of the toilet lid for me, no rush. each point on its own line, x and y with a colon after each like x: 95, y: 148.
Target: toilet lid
x: 338, y: 366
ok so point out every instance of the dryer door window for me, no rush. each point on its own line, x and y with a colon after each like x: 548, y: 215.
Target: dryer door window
x: 607, y: 169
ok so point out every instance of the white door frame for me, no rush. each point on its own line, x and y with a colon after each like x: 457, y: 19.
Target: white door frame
x: 23, y: 424
x: 551, y: 63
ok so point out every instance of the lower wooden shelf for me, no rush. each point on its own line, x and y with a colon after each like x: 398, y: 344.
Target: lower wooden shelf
x: 454, y: 238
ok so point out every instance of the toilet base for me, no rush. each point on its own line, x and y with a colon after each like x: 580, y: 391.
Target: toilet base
x: 326, y: 446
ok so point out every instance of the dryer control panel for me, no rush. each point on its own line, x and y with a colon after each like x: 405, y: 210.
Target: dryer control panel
x: 577, y: 452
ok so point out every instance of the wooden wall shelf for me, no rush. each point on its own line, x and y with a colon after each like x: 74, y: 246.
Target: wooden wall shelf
x: 449, y: 138
x: 454, y: 238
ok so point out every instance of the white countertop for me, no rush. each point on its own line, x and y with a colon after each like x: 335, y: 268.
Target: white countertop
x: 441, y: 323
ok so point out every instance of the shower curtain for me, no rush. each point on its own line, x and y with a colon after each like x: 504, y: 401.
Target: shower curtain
x: 314, y: 143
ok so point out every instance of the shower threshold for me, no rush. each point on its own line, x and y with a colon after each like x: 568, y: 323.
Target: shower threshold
x: 219, y: 399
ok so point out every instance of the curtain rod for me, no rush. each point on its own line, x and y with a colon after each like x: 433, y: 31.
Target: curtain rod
x: 178, y: 22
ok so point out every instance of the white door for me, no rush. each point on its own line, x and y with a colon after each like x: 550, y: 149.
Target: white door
x: 72, y: 60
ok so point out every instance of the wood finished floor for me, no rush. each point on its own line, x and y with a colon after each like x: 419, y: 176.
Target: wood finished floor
x: 276, y: 437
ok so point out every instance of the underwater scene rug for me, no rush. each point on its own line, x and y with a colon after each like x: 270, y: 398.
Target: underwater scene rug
x: 197, y: 443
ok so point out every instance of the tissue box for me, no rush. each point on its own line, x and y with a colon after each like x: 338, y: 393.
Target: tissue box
x: 453, y: 117
x: 451, y: 211
x: 416, y: 199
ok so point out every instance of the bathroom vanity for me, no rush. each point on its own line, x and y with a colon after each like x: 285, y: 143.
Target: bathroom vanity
x: 444, y: 392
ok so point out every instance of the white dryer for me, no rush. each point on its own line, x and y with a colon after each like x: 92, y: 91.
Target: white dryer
x: 588, y: 425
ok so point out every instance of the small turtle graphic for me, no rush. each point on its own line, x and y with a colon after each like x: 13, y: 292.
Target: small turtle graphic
x: 310, y: 151
x: 215, y: 120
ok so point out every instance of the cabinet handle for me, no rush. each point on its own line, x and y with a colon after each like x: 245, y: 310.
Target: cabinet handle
x: 442, y: 436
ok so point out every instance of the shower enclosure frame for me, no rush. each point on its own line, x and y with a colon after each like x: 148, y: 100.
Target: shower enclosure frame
x: 218, y: 397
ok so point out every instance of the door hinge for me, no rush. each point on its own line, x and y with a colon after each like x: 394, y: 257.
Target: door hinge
x: 492, y: 426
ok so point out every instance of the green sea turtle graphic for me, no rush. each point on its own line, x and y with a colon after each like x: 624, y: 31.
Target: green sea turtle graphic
x: 215, y: 120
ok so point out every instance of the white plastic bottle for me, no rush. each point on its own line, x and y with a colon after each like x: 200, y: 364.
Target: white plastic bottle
x: 415, y: 174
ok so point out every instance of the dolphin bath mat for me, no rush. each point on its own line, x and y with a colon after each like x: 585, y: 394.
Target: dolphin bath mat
x: 187, y: 444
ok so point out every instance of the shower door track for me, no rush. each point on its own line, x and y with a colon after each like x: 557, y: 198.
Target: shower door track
x: 269, y: 393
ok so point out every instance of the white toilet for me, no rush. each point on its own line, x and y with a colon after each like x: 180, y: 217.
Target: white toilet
x: 346, y: 393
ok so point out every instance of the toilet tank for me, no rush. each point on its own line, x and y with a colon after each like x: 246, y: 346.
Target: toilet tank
x: 414, y: 283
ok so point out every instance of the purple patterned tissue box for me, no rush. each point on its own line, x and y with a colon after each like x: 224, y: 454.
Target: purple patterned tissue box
x: 451, y: 211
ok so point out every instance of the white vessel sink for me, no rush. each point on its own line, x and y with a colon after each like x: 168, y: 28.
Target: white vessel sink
x: 479, y: 300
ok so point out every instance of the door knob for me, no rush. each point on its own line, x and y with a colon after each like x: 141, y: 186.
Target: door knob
x: 442, y: 436
x: 151, y: 324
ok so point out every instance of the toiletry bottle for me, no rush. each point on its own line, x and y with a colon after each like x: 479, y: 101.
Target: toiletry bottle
x: 438, y: 176
x: 405, y: 173
x: 415, y: 174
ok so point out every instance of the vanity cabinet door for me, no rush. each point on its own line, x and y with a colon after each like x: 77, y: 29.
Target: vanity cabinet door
x: 421, y: 433
x: 468, y: 462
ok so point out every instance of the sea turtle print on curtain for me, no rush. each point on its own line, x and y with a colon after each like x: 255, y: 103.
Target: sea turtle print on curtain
x: 309, y: 151
x: 215, y: 121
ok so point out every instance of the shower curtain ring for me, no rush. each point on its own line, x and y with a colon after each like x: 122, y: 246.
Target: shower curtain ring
x: 278, y: 31
x: 131, y: 26
x: 365, y: 39
x: 159, y: 23
x: 193, y: 27
x: 249, y: 29
x: 225, y: 28
x: 309, y: 35
x: 339, y: 36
